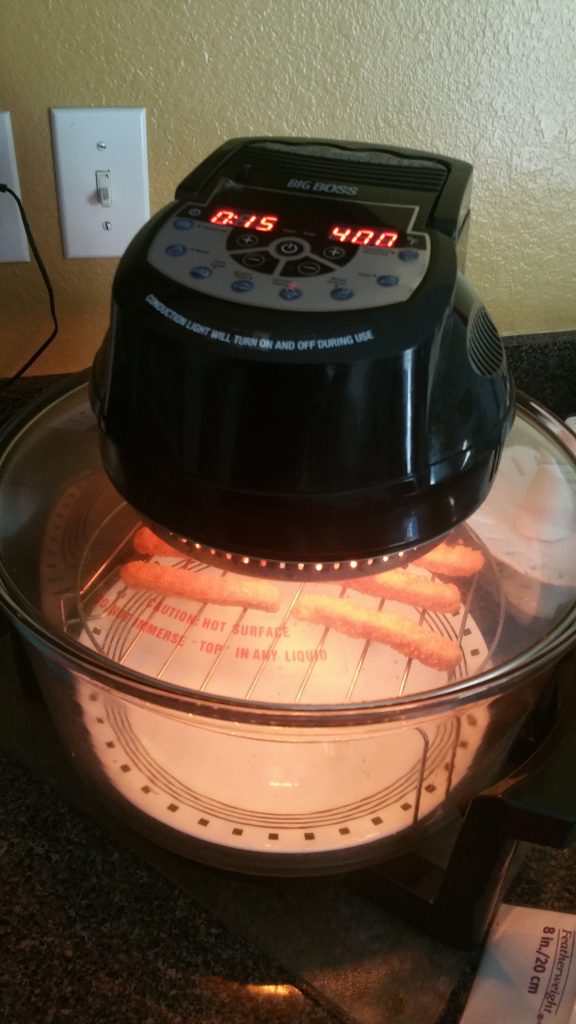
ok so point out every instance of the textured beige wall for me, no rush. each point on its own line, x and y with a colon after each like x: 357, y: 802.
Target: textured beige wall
x: 491, y: 81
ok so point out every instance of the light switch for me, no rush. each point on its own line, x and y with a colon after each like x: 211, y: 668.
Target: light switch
x: 13, y: 244
x: 103, y: 188
x: 102, y: 177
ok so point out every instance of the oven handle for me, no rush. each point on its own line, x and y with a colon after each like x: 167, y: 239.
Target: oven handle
x: 535, y: 804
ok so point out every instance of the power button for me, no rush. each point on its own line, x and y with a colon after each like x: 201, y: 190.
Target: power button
x: 288, y: 247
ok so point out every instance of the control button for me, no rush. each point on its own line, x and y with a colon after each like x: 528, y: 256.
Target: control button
x: 258, y: 259
x: 289, y: 247
x: 308, y: 268
x: 334, y: 252
x: 408, y: 254
x: 242, y: 286
x: 341, y: 294
x: 264, y: 262
x: 193, y: 211
x: 252, y: 259
x: 201, y: 272
x: 182, y: 224
x: 247, y: 240
x: 388, y: 280
x: 175, y: 250
x: 289, y: 294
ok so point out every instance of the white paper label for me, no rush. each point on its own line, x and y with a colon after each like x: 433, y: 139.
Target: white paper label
x: 528, y: 971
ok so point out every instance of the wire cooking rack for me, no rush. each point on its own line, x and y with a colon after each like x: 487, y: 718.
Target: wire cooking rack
x: 117, y: 621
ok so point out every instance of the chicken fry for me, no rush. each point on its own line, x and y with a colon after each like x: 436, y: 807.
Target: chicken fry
x: 409, y: 588
x: 451, y: 560
x: 408, y: 638
x: 147, y: 543
x: 199, y: 586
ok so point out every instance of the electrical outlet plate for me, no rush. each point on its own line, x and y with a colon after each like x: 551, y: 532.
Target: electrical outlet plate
x: 13, y: 244
x: 102, y: 177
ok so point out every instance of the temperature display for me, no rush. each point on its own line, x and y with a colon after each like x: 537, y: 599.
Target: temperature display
x: 364, y: 236
x: 244, y: 219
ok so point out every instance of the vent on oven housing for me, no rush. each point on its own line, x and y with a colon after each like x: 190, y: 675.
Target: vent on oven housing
x: 484, y: 344
x: 360, y: 167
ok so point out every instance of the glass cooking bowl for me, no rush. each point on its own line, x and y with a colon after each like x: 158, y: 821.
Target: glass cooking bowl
x: 267, y: 740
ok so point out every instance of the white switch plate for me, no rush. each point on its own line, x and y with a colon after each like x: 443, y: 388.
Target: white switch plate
x: 87, y: 140
x: 13, y: 244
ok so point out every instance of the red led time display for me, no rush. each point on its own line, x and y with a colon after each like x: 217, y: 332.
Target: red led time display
x: 244, y: 219
x: 364, y: 236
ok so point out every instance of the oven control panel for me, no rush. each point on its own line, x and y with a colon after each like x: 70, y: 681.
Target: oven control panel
x: 278, y: 255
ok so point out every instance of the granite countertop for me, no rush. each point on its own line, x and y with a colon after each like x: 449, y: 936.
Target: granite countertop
x: 90, y: 933
x: 99, y: 926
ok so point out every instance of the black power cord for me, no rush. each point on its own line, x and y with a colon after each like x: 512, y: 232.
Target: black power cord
x: 46, y: 279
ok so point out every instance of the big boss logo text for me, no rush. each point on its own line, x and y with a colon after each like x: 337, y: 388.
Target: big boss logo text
x: 322, y: 186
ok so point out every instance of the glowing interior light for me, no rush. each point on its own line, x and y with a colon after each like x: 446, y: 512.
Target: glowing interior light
x: 198, y: 546
x: 278, y: 991
x: 300, y: 566
x: 319, y: 566
x: 228, y: 555
x: 282, y: 565
x: 384, y: 558
x: 263, y: 563
x: 337, y: 565
x: 245, y: 560
x: 213, y: 551
x: 353, y: 565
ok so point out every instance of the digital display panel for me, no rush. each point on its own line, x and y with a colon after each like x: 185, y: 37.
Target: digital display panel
x: 308, y: 220
x: 228, y: 217
x: 355, y: 235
